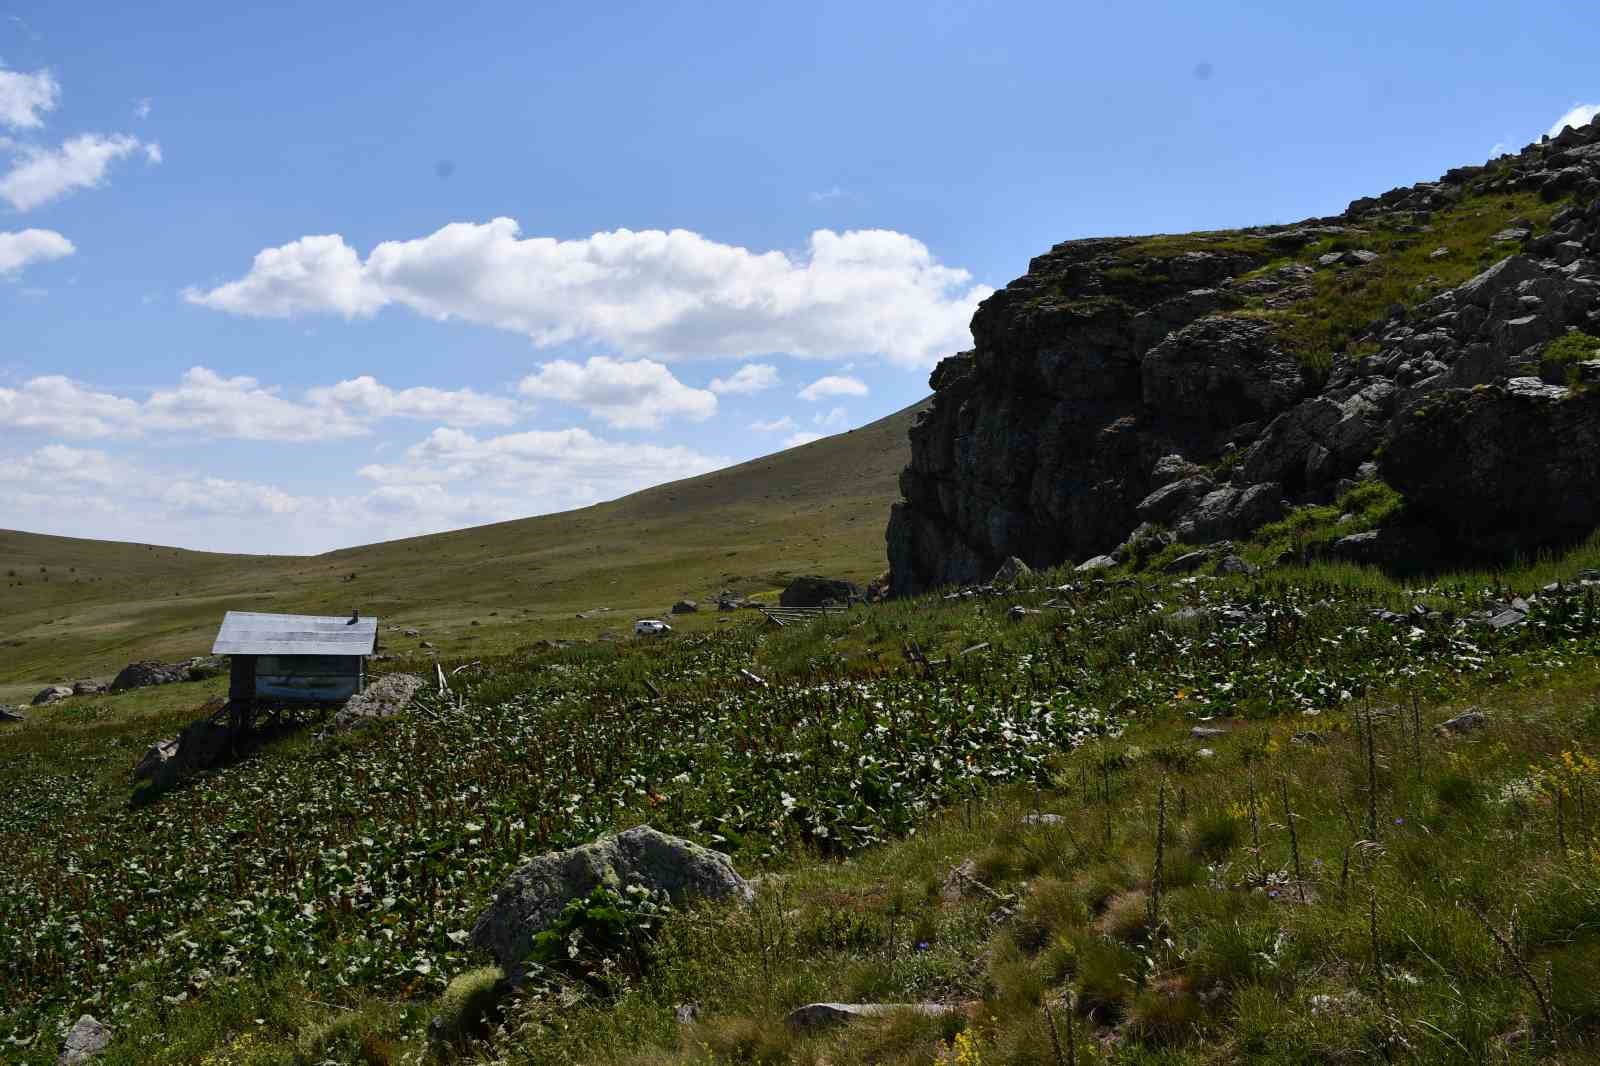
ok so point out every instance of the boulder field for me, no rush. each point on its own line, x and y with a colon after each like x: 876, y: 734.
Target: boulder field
x: 1200, y: 386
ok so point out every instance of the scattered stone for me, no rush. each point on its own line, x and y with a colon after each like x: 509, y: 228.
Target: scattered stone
x: 86, y: 1039
x: 812, y: 591
x: 155, y: 759
x: 1187, y: 563
x: 1205, y: 753
x: 1098, y: 562
x: 51, y: 694
x: 1330, y: 259
x: 1011, y: 571
x: 11, y: 714
x: 1234, y: 564
x: 533, y: 896
x: 426, y: 645
x: 960, y: 878
x: 1440, y: 252
x: 413, y: 633
x: 1208, y: 732
x: 1019, y: 612
x: 1466, y: 722
x: 1511, y: 233
x: 687, y: 1013
x: 814, y: 1016
x: 1362, y: 256
x: 88, y: 687
x: 685, y: 607
x: 1508, y: 618
x: 1308, y: 737
x: 1042, y: 818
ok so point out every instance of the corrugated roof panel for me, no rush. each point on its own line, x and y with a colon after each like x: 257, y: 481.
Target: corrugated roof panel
x: 249, y: 633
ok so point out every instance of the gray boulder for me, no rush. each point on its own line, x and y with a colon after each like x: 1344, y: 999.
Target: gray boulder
x: 386, y: 696
x: 11, y: 714
x: 1011, y: 571
x: 51, y: 694
x: 88, y: 687
x: 1099, y: 562
x: 149, y: 672
x: 816, y: 1016
x: 813, y: 591
x: 86, y: 1039
x: 685, y: 607
x: 534, y: 895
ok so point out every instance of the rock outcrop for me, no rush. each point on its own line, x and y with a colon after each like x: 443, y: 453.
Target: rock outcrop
x: 533, y: 896
x: 1170, y: 387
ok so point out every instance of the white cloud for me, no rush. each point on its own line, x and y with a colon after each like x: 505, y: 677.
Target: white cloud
x: 462, y: 407
x: 57, y: 464
x: 564, y: 467
x: 238, y: 408
x: 752, y: 377
x: 141, y: 108
x: 26, y: 98
x: 54, y: 404
x: 1580, y: 115
x: 776, y: 425
x: 628, y: 395
x: 794, y: 440
x: 18, y: 250
x: 833, y: 385
x: 673, y: 295
x: 834, y: 419
x: 833, y: 192
x: 45, y: 174
x: 320, y: 272
x: 206, y: 404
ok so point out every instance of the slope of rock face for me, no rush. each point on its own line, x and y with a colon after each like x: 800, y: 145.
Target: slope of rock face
x: 1206, y: 383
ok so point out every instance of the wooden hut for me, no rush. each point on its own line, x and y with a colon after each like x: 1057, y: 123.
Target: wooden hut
x: 295, y: 656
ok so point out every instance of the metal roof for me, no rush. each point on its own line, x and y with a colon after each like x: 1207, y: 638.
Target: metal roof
x: 248, y: 633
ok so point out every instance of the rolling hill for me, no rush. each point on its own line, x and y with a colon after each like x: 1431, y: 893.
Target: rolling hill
x: 78, y: 608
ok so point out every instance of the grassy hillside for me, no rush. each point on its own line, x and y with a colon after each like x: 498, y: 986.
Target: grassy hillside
x: 308, y: 903
x: 78, y: 608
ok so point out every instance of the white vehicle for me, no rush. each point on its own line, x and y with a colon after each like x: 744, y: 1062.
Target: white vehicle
x: 650, y: 627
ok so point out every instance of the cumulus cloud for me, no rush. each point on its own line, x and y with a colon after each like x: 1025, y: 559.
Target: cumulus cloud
x: 366, y: 396
x: 833, y: 385
x: 834, y: 419
x: 1580, y: 115
x: 26, y: 98
x: 627, y: 395
x: 18, y: 250
x: 42, y: 175
x: 313, y: 273
x: 776, y: 425
x: 58, y: 405
x: 540, y: 457
x: 673, y: 295
x: 752, y: 377
x: 57, y: 464
x: 207, y: 404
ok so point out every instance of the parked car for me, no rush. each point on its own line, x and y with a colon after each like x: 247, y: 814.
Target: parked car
x: 650, y: 627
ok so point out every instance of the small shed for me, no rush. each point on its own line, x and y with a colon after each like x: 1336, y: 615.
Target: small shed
x: 295, y: 656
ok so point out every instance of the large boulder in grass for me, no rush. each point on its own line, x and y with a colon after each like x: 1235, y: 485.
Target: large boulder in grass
x: 149, y: 672
x: 530, y: 900
x: 84, y: 1041
x: 813, y: 591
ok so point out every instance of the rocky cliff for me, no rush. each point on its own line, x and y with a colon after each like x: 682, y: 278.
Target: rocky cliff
x: 1181, y: 390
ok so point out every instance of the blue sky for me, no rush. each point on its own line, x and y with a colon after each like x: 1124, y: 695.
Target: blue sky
x: 290, y: 277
